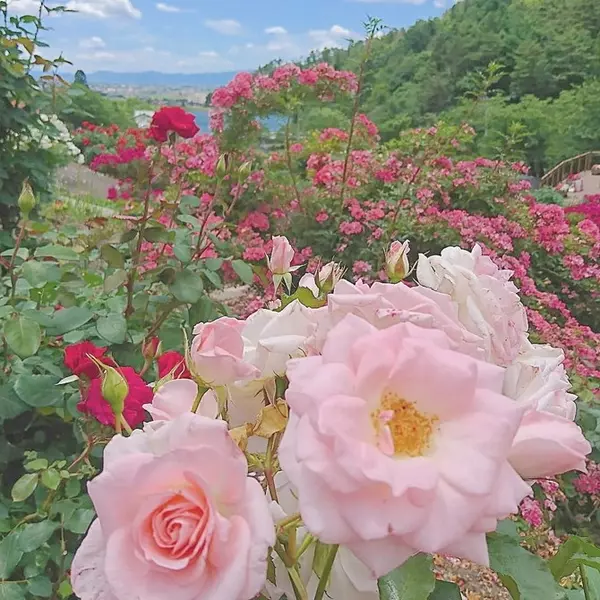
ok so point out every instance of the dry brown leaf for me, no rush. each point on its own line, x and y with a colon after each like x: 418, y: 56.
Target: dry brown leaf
x: 272, y: 419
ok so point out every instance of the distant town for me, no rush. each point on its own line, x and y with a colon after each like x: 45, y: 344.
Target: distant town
x: 182, y: 95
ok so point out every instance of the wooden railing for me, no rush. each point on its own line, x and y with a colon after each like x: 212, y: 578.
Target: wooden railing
x: 570, y: 166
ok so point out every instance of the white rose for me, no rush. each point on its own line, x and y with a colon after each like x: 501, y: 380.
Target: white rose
x: 488, y: 302
x: 538, y: 380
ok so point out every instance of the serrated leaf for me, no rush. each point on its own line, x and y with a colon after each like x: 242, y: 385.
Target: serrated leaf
x: 574, y: 552
x: 51, y: 479
x: 12, y: 591
x: 158, y: 234
x: 80, y: 520
x: 10, y: 555
x: 213, y: 278
x: 24, y: 487
x: 57, y: 252
x: 445, y: 590
x: 244, y: 271
x: 112, y: 328
x: 112, y: 256
x: 33, y: 535
x: 23, y: 336
x: 414, y: 580
x: 38, y: 273
x: 69, y: 319
x: 38, y: 391
x: 11, y: 405
x: 114, y: 281
x: 524, y: 575
x: 213, y: 264
x: 40, y: 586
x: 187, y: 287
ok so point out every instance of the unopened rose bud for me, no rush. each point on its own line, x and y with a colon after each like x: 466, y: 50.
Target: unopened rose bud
x: 222, y: 166
x: 281, y: 257
x: 328, y: 277
x: 245, y: 169
x: 26, y: 200
x: 151, y: 349
x: 114, y: 390
x: 396, y: 261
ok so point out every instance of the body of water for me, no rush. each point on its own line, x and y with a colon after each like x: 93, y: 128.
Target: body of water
x: 203, y: 120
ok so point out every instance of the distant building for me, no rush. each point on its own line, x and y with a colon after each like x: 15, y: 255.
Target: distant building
x: 143, y: 118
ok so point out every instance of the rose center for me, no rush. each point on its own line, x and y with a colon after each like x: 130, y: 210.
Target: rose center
x: 401, y: 429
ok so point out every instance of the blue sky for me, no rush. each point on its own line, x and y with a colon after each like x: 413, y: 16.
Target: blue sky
x: 195, y: 36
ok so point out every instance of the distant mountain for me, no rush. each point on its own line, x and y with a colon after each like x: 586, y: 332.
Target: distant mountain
x: 155, y: 78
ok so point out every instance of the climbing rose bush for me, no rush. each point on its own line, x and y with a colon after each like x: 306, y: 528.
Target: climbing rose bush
x: 409, y: 419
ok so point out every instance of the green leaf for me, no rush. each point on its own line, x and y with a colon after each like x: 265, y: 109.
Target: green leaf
x: 80, y: 520
x: 32, y: 536
x: 182, y: 251
x: 39, y: 273
x: 305, y: 297
x: 39, y: 464
x: 24, y: 487
x: 213, y: 264
x: 40, y: 586
x: 114, y: 280
x: 112, y: 256
x: 57, y: 252
x: 574, y: 552
x: 38, y: 391
x: 112, y: 328
x: 69, y: 319
x: 158, y: 234
x: 213, y: 278
x: 64, y: 589
x: 11, y: 591
x: 51, y: 479
x: 11, y: 405
x: 445, y: 590
x: 187, y: 287
x: 10, y: 555
x: 129, y: 235
x: 189, y: 219
x: 414, y: 580
x: 244, y: 271
x: 23, y: 335
x: 201, y: 312
x: 524, y: 575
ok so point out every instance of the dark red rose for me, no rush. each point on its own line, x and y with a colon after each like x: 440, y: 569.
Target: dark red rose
x: 172, y: 118
x: 79, y: 363
x: 175, y: 362
x: 139, y: 394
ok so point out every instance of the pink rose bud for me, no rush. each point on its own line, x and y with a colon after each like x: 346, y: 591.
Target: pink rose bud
x: 328, y: 276
x: 396, y: 261
x: 281, y: 256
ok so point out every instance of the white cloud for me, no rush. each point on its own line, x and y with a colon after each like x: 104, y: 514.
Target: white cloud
x: 209, y: 54
x: 92, y: 42
x: 94, y: 57
x: 277, y: 30
x: 24, y: 7
x: 170, y: 8
x: 224, y: 26
x: 103, y: 9
x: 334, y: 37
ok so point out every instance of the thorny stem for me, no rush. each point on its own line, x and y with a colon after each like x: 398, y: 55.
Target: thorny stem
x: 355, y: 107
x: 138, y: 249
x: 269, y: 469
x: 326, y: 572
x: 13, y: 258
x: 288, y: 159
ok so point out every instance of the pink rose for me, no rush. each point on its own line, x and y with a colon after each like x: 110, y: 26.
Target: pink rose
x: 177, y: 397
x: 178, y: 517
x: 385, y: 304
x: 548, y: 442
x: 399, y: 444
x: 218, y: 350
x: 281, y: 256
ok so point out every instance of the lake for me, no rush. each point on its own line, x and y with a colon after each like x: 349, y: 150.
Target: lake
x: 203, y: 119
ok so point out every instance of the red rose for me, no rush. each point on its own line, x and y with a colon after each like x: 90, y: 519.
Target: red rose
x: 79, y: 363
x: 175, y: 362
x: 172, y: 118
x: 139, y: 394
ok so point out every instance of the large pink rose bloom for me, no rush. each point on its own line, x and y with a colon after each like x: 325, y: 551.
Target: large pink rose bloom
x: 178, y: 517
x: 399, y: 444
x: 386, y: 304
x: 488, y: 302
x: 548, y: 442
x: 217, y: 352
